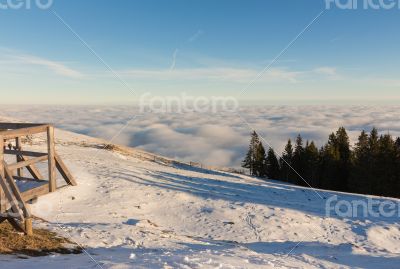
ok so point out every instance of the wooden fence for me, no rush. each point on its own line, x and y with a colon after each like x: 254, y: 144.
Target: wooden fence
x: 13, y: 200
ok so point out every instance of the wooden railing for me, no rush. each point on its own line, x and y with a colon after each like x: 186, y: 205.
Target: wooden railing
x: 13, y: 205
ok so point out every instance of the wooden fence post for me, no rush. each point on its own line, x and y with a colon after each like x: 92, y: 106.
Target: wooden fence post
x: 52, y: 160
x: 28, y: 226
x: 20, y: 171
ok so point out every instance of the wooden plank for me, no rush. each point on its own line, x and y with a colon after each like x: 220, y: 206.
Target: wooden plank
x: 26, y: 163
x: 12, y: 125
x: 15, y: 190
x: 29, y: 179
x: 20, y: 171
x: 25, y: 153
x: 62, y: 168
x: 17, y: 226
x: 11, y: 199
x: 3, y: 200
x: 35, y: 192
x: 24, y: 131
x: 51, y: 159
x: 33, y: 170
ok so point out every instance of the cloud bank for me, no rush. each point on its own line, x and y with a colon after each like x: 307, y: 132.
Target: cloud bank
x: 213, y: 139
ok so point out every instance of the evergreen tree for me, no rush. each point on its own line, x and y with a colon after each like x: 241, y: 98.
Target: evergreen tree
x: 260, y: 161
x: 311, y: 156
x: 299, y: 162
x: 397, y: 170
x: 373, y: 141
x: 360, y: 175
x: 336, y: 162
x: 272, y: 165
x: 344, y: 161
x: 328, y: 166
x: 255, y: 157
x: 398, y: 143
x: 376, y: 165
x: 386, y: 180
x: 249, y: 161
x: 286, y: 161
x: 373, y: 159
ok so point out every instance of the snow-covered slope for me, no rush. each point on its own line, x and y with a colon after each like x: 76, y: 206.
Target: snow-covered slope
x: 132, y: 210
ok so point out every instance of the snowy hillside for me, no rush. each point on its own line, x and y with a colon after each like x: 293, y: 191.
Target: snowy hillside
x: 130, y: 211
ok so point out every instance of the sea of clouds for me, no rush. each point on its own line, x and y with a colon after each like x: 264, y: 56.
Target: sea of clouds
x: 217, y: 139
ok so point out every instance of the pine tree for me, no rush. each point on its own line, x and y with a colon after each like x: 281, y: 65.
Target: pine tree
x: 311, y: 156
x: 272, y: 165
x: 255, y: 157
x: 373, y: 141
x: 386, y: 179
x: 286, y: 162
x: 396, y: 188
x: 336, y: 162
x: 398, y: 143
x: 359, y: 180
x: 249, y: 161
x: 344, y: 161
x: 328, y: 165
x: 299, y: 162
x: 373, y: 159
x: 260, y: 161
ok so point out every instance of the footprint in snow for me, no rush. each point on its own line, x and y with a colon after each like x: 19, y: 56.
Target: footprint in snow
x: 131, y: 222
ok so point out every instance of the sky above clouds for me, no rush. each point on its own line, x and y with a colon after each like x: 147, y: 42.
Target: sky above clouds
x: 112, y: 52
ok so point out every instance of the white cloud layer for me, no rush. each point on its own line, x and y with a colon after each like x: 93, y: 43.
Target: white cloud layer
x: 213, y: 139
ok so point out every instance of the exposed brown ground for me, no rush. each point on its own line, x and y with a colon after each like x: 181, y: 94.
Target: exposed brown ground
x: 42, y: 243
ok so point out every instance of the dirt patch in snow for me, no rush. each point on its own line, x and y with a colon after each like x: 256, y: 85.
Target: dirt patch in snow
x: 42, y: 243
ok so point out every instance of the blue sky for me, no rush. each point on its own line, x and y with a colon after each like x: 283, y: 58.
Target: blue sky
x: 200, y: 48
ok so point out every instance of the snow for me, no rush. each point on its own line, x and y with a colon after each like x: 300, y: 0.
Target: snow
x: 130, y: 211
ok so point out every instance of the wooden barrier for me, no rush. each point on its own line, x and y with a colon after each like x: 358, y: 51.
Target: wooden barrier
x: 13, y: 202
